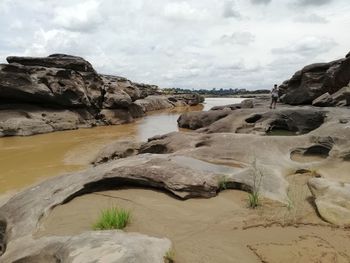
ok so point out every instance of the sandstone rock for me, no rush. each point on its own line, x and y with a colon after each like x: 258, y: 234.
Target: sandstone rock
x: 332, y: 200
x: 50, y: 86
x: 65, y: 84
x: 97, y: 246
x: 55, y: 61
x: 26, y: 120
x: 342, y: 96
x: 199, y: 119
x: 315, y: 80
x: 152, y: 103
x: 246, y: 104
x: 117, y: 150
x: 116, y: 116
x: 189, y: 99
x: 324, y: 100
x: 295, y: 120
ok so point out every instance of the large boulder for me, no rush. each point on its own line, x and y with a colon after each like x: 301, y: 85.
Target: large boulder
x: 332, y: 200
x: 58, y: 87
x: 26, y: 120
x: 152, y: 103
x: 199, y: 119
x: 339, y: 98
x: 68, y: 85
x: 54, y: 61
x: 314, y: 80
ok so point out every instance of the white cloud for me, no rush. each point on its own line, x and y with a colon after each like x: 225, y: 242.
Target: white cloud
x: 190, y: 44
x: 312, y: 18
x: 80, y: 17
x: 239, y: 38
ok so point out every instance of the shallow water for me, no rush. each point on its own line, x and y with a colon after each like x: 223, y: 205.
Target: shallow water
x: 27, y: 160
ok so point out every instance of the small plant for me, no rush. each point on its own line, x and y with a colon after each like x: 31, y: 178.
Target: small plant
x: 254, y: 199
x: 169, y: 256
x: 254, y: 196
x: 113, y: 218
x: 222, y: 184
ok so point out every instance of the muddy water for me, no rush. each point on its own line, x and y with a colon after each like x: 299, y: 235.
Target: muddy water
x: 27, y: 160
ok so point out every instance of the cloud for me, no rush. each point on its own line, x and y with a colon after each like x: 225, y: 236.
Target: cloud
x: 313, y: 2
x: 238, y: 38
x: 183, y: 11
x: 178, y: 43
x: 260, y: 1
x: 82, y: 17
x: 310, y: 46
x: 229, y: 10
x: 312, y: 18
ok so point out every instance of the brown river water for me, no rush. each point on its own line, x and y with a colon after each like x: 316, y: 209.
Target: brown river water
x: 28, y: 160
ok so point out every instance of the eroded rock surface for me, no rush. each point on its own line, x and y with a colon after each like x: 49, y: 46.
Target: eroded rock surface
x: 32, y: 88
x: 314, y: 81
x: 332, y: 199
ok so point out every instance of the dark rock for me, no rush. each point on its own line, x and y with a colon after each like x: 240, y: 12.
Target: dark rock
x: 199, y: 119
x: 342, y: 96
x: 314, y: 80
x: 116, y: 150
x: 246, y: 104
x: 324, y: 100
x: 54, y: 61
x: 61, y: 86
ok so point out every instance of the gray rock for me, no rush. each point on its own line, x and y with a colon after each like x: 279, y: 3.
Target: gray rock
x: 332, y: 200
x: 200, y: 119
x: 152, y: 103
x: 98, y: 246
x: 54, y: 61
x: 314, y: 80
x: 342, y: 96
x: 325, y: 100
x: 117, y: 150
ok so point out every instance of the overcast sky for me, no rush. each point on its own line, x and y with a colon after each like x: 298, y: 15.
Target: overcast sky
x: 189, y: 44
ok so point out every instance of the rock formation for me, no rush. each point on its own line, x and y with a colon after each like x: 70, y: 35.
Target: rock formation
x: 60, y: 92
x: 320, y: 84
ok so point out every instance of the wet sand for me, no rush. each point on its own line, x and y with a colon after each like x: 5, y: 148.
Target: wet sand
x: 220, y: 229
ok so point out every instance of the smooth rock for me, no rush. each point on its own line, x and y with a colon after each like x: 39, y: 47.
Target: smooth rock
x: 332, y: 200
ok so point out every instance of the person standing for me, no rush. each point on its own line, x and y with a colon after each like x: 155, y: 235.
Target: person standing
x: 274, y: 97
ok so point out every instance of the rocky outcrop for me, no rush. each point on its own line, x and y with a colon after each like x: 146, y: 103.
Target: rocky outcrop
x: 294, y: 120
x: 314, y: 80
x: 332, y: 200
x: 339, y: 98
x: 39, y: 95
x: 199, y: 119
x: 116, y: 150
x: 100, y: 246
x: 246, y: 104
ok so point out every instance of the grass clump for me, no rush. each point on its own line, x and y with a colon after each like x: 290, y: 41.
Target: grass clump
x: 222, y: 184
x: 169, y: 256
x: 254, y: 196
x: 254, y: 199
x: 112, y: 218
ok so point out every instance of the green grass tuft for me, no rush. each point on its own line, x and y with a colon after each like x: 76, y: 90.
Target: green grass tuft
x: 222, y: 183
x: 112, y: 218
x: 254, y: 199
x: 169, y: 256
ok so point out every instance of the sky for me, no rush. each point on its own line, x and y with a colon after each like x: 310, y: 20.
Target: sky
x: 195, y: 44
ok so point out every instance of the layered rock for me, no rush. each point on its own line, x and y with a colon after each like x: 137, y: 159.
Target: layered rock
x: 39, y: 95
x: 314, y: 80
